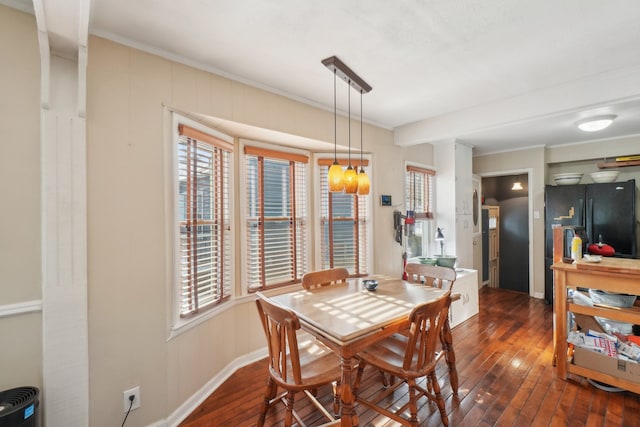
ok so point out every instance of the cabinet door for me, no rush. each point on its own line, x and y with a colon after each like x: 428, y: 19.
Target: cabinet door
x: 493, y: 274
x: 493, y: 245
x: 467, y: 306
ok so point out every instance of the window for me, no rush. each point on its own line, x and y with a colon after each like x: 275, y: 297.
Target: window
x: 419, y: 199
x: 203, y: 220
x: 419, y: 191
x: 276, y: 217
x: 344, y: 227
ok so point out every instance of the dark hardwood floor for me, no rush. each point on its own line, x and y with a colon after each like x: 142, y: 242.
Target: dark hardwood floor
x: 506, y: 379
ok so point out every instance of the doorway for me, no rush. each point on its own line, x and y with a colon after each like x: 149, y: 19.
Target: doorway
x: 513, y: 202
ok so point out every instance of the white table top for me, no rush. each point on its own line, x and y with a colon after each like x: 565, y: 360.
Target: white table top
x: 345, y: 312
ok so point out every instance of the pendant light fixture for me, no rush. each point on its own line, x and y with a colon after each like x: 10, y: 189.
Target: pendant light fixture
x: 350, y: 175
x: 517, y: 185
x: 349, y: 180
x: 363, y: 178
x: 336, y: 176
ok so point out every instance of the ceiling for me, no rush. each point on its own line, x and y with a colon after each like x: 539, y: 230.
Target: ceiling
x: 496, y: 74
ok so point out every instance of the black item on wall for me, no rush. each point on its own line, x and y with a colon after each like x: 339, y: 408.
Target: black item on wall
x: 19, y: 407
x: 604, y: 210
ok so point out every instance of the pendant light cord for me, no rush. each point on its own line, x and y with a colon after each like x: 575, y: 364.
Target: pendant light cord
x: 335, y: 122
x: 361, y: 158
x: 349, y: 97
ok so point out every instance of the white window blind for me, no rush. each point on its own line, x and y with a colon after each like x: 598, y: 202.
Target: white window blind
x: 419, y: 191
x: 203, y: 220
x: 276, y: 191
x: 344, y: 228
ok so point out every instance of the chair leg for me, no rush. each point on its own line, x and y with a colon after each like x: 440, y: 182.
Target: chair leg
x: 337, y: 393
x: 288, y: 415
x: 413, y: 405
x: 449, y: 355
x: 439, y: 399
x: 356, y: 383
x: 269, y: 395
x: 385, y: 381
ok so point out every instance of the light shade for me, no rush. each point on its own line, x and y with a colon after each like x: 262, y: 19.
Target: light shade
x: 336, y: 178
x: 363, y: 183
x: 517, y: 186
x: 594, y: 124
x: 350, y: 181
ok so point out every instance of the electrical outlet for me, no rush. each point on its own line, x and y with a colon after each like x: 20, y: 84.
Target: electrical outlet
x: 135, y: 392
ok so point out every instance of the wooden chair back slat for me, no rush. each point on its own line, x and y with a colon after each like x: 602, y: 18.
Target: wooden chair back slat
x: 319, y: 278
x: 431, y: 275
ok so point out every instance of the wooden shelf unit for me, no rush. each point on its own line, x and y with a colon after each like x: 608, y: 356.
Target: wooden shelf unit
x: 608, y: 165
x: 611, y: 274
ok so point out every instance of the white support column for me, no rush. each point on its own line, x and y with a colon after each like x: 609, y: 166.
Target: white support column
x: 65, y: 343
x: 64, y: 251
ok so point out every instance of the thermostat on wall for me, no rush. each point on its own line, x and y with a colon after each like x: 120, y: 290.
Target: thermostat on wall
x: 385, y: 200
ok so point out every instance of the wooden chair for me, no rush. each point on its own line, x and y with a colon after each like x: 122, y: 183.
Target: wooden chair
x: 408, y: 358
x: 316, y: 279
x: 436, y: 276
x: 294, y: 366
x: 431, y: 275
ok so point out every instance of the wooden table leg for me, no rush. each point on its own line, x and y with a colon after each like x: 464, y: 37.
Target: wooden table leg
x: 450, y: 355
x: 348, y: 416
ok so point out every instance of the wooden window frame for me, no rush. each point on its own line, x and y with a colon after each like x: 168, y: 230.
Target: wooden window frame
x: 297, y: 217
x: 360, y: 219
x: 428, y: 196
x: 216, y: 282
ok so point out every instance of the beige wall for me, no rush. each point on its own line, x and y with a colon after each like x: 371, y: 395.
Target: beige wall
x: 21, y: 353
x: 534, y: 161
x: 129, y: 307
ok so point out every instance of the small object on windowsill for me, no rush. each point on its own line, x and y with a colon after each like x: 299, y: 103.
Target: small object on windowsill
x: 567, y: 260
x: 370, y: 284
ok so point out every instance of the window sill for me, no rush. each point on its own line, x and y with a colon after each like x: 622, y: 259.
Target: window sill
x: 183, y: 325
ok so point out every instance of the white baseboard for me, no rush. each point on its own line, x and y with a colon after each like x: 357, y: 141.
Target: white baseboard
x: 539, y: 295
x: 190, y: 405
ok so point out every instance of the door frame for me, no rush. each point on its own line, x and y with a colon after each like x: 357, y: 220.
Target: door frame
x: 529, y: 173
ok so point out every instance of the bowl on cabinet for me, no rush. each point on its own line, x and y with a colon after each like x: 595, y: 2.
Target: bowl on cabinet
x: 446, y: 260
x: 567, y: 178
x: 428, y: 261
x: 604, y: 176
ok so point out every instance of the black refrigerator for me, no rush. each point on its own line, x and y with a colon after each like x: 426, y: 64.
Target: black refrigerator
x: 604, y: 210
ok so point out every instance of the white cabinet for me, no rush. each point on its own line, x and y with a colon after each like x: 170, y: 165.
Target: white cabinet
x: 464, y: 183
x: 454, y: 195
x: 464, y: 242
x: 467, y: 306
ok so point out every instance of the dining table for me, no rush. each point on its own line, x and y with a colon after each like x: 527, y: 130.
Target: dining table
x: 347, y: 318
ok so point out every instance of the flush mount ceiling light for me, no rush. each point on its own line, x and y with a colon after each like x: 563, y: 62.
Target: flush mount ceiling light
x: 596, y: 123
x: 338, y: 180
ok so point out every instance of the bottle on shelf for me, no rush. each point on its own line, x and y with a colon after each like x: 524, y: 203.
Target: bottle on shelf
x: 576, y: 248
